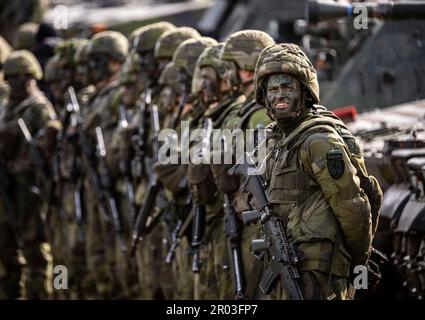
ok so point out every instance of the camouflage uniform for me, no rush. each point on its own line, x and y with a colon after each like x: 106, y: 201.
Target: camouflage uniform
x: 242, y: 50
x: 70, y: 171
x: 212, y: 276
x: 105, y: 260
x: 27, y: 203
x: 155, y: 282
x: 312, y: 181
x: 177, y: 77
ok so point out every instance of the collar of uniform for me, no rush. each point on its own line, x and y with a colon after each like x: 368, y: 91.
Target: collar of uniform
x: 108, y: 88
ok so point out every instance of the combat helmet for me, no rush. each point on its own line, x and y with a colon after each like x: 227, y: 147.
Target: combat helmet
x: 144, y: 38
x: 170, y: 77
x: 112, y: 43
x: 25, y: 38
x: 170, y: 40
x: 244, y: 47
x: 210, y: 57
x: 5, y: 50
x: 188, y: 52
x: 285, y: 58
x: 66, y: 50
x: 22, y: 62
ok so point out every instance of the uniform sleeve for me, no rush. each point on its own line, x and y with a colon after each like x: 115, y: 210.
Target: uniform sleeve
x: 41, y: 116
x: 326, y: 158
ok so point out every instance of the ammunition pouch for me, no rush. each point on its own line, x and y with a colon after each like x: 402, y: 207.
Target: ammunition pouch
x: 201, y: 177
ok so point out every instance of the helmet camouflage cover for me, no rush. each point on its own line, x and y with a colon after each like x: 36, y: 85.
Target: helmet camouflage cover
x: 144, y: 38
x: 210, y: 57
x: 5, y: 50
x: 25, y: 38
x: 285, y: 58
x: 66, y: 50
x: 170, y: 40
x: 22, y: 62
x: 244, y: 47
x: 188, y: 52
x: 170, y: 76
x: 112, y: 43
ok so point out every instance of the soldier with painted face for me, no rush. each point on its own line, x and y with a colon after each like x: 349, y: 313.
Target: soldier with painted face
x: 241, y: 51
x: 58, y: 220
x: 69, y: 240
x: 175, y: 96
x: 145, y: 39
x: 105, y: 54
x: 166, y: 46
x: 24, y: 190
x: 141, y: 74
x: 310, y: 175
x: 217, y: 95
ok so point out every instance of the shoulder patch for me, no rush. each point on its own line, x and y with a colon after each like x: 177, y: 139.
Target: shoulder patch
x: 352, y: 145
x: 335, y: 163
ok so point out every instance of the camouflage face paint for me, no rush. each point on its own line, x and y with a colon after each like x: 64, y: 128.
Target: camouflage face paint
x: 283, y: 95
x: 167, y: 99
x: 209, y: 84
x: 98, y: 67
x: 18, y: 85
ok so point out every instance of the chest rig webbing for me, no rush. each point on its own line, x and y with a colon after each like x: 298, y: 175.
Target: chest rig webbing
x: 297, y: 185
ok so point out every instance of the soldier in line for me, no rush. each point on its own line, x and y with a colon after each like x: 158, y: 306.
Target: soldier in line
x: 26, y: 195
x: 241, y: 51
x: 244, y: 83
x: 106, y: 52
x: 311, y: 178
